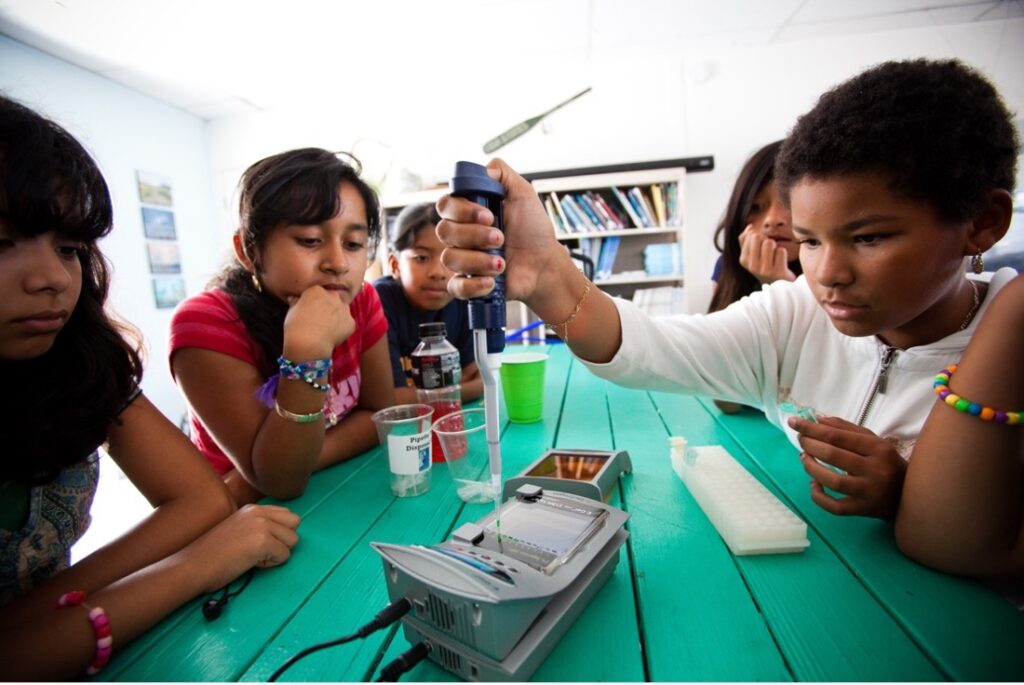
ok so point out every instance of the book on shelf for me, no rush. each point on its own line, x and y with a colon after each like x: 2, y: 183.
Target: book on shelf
x: 645, y: 204
x: 672, y: 203
x: 606, y: 259
x: 663, y: 259
x: 589, y: 199
x: 591, y: 222
x: 554, y: 217
x: 561, y: 215
x: 639, y: 206
x: 660, y: 301
x: 581, y: 201
x: 628, y: 206
x: 575, y: 220
x: 619, y: 219
x: 659, y: 204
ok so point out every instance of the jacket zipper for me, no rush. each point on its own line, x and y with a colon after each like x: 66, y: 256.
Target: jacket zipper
x: 888, y: 354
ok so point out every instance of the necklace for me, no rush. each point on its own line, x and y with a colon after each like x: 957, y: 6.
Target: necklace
x: 974, y: 306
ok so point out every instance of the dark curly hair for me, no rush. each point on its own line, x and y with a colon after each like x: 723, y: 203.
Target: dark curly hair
x: 938, y: 129
x: 56, y: 409
x: 734, y: 281
x: 294, y: 187
x: 409, y: 222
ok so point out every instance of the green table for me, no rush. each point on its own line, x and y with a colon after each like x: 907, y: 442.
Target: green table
x: 678, y: 607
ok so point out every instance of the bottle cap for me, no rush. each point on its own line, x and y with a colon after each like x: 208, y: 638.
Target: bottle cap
x: 433, y: 329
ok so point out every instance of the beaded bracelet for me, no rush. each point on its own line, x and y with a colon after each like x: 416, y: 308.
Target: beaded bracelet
x: 941, y: 387
x: 305, y: 371
x: 100, y: 626
x: 297, y: 418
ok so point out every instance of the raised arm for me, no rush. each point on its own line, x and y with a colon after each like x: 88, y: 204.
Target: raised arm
x: 539, y: 271
x: 962, y: 509
x: 274, y: 454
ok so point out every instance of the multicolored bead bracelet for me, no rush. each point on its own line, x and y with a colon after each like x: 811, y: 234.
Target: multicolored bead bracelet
x: 941, y: 387
x: 305, y: 371
x: 100, y: 626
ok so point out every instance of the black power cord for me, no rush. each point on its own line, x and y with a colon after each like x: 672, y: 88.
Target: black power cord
x: 214, y: 606
x: 386, y: 617
x: 404, y: 663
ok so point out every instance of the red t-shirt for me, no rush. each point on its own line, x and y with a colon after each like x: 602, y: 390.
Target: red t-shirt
x: 209, y: 321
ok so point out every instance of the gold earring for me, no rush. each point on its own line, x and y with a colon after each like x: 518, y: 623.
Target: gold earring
x: 256, y: 283
x: 977, y: 263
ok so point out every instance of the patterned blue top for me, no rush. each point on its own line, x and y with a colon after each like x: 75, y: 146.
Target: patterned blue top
x: 58, y: 516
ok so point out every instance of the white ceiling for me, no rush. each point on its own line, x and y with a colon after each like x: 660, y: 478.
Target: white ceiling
x: 218, y: 58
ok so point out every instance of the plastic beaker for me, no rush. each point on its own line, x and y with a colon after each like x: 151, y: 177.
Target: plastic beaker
x: 522, y: 383
x: 464, y: 442
x: 404, y: 433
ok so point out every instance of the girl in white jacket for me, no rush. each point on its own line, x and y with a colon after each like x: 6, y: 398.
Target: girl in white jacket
x: 894, y: 178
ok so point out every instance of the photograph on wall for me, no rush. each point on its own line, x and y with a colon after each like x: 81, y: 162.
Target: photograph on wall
x: 158, y: 224
x: 154, y: 189
x: 168, y: 291
x: 164, y: 257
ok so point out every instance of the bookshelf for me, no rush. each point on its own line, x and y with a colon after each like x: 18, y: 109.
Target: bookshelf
x: 592, y: 208
x: 629, y: 271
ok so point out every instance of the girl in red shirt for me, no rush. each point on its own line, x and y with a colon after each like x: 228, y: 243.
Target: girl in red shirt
x: 285, y: 359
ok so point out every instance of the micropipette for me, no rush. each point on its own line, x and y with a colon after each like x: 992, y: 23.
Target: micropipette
x: 487, y: 313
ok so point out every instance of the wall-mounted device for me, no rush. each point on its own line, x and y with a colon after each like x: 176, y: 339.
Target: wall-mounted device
x: 492, y: 606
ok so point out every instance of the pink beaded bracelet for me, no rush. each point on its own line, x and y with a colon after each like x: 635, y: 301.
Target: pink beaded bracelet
x: 100, y: 626
x: 941, y: 387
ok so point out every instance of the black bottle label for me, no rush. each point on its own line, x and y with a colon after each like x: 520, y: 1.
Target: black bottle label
x: 431, y: 371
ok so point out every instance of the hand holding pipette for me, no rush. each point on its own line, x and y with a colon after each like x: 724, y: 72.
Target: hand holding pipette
x: 487, y: 313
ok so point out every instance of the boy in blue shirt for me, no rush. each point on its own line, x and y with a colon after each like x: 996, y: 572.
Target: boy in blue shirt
x: 416, y: 292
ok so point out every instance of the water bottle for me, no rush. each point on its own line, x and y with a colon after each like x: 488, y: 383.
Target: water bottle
x: 437, y: 372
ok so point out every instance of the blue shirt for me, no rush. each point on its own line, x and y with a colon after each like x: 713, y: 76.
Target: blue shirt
x: 404, y: 322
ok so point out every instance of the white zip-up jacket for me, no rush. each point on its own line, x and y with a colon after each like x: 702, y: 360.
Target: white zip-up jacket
x: 777, y: 345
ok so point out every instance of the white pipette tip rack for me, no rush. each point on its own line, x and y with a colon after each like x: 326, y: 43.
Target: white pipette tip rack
x: 747, y: 515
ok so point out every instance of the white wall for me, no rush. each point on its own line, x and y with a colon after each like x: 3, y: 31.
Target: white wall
x: 656, y: 103
x: 661, y: 102
x: 126, y: 131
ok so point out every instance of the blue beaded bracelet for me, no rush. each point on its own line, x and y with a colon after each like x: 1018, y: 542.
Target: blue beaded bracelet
x: 941, y: 387
x: 305, y: 371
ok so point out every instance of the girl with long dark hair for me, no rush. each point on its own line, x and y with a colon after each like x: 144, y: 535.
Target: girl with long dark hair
x: 71, y: 384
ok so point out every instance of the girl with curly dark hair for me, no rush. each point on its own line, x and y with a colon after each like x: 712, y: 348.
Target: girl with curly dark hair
x: 71, y: 383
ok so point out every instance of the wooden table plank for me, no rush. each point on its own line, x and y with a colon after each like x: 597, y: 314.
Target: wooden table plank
x: 967, y: 630
x: 355, y: 590
x: 611, y: 618
x: 187, y: 647
x: 699, y: 621
x: 827, y: 625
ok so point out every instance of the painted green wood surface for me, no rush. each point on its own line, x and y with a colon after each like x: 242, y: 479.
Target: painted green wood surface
x: 355, y: 590
x: 967, y: 630
x: 187, y: 647
x: 699, y: 621
x: 678, y: 607
x: 826, y: 624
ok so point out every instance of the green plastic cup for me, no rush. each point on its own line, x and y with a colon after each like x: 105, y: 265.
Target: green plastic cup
x: 522, y: 382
